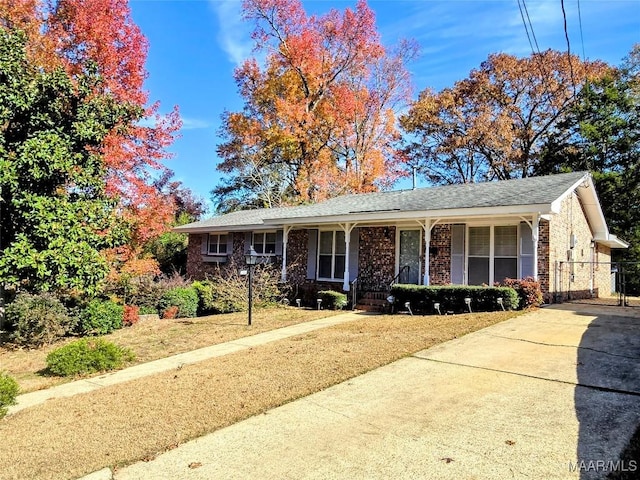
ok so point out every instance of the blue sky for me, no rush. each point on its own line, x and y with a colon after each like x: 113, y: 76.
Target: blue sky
x: 195, y: 45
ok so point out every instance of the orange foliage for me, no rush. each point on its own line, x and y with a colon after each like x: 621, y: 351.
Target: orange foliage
x: 497, y: 122
x: 322, y: 107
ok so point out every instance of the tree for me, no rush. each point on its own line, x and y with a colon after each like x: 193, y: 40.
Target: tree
x: 497, y: 123
x: 604, y: 138
x: 318, y: 118
x: 170, y: 248
x: 55, y: 214
x: 70, y: 34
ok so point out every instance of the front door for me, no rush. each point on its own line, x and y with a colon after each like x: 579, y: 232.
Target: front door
x: 409, y: 256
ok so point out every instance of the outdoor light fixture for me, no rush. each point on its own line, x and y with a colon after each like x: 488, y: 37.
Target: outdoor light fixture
x: 319, y: 303
x: 467, y: 301
x: 499, y: 300
x: 436, y: 306
x: 298, y: 302
x: 251, y: 258
x: 407, y: 305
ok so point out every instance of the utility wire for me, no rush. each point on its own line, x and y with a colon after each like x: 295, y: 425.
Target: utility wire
x: 566, y: 35
x: 584, y: 57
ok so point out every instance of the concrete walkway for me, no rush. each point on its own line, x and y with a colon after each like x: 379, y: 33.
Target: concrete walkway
x: 175, y: 361
x: 532, y: 397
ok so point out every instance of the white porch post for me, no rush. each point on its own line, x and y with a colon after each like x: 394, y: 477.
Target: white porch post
x: 427, y: 246
x: 285, y: 239
x: 535, y: 234
x: 347, y: 227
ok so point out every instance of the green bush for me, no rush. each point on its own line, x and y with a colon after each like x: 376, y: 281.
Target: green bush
x: 451, y: 298
x: 332, y: 300
x: 8, y: 392
x: 146, y: 310
x: 185, y: 298
x: 87, y: 356
x: 38, y: 319
x: 100, y: 317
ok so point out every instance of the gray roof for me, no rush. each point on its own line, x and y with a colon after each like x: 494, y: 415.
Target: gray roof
x: 525, y: 191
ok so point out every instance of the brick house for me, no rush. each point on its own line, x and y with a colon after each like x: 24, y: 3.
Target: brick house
x: 551, y: 228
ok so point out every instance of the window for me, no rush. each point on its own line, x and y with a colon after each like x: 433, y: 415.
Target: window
x: 217, y: 244
x: 493, y: 254
x: 331, y: 255
x: 265, y: 243
x: 479, y: 252
x: 505, y: 252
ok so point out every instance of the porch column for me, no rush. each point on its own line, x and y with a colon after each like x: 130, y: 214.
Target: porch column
x: 347, y: 227
x: 427, y: 246
x: 285, y: 239
x: 535, y: 234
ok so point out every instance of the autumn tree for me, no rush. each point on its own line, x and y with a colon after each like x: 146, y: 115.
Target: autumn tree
x: 604, y: 138
x: 70, y: 34
x: 319, y: 114
x: 498, y: 122
x: 55, y: 214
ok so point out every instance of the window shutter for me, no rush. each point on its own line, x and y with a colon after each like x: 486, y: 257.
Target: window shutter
x: 354, y: 249
x: 230, y: 244
x: 457, y: 254
x: 204, y: 244
x: 279, y: 240
x: 525, y: 243
x: 248, y: 239
x: 312, y: 254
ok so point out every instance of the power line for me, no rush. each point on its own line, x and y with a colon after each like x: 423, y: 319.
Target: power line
x: 584, y: 57
x: 566, y: 35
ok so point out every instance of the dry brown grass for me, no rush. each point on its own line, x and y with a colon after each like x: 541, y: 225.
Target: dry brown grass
x: 66, y: 438
x: 153, y: 339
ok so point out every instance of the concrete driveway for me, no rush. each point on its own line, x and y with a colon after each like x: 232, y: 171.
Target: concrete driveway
x: 548, y: 395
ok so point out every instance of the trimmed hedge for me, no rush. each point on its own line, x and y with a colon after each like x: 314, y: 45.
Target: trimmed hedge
x: 87, y: 356
x: 332, y: 300
x: 451, y: 298
x: 528, y: 290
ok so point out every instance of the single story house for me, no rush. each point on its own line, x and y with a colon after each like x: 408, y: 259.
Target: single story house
x: 550, y: 228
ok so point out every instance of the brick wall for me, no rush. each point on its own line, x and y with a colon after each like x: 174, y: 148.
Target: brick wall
x: 545, y: 266
x: 572, y: 280
x: 440, y: 255
x: 197, y: 269
x: 377, y: 258
x: 297, y: 253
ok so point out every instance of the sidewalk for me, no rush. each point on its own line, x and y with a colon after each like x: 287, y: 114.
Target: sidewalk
x: 169, y: 363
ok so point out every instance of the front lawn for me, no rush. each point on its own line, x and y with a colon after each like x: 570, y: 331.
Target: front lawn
x: 118, y: 425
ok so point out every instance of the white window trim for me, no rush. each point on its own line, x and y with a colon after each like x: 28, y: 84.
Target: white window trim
x: 492, y: 256
x: 333, y: 258
x: 218, y: 253
x: 263, y: 236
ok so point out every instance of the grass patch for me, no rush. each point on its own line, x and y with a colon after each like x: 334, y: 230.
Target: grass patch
x: 153, y: 339
x: 118, y: 425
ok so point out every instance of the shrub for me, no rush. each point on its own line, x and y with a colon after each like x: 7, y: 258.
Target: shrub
x: 528, y: 289
x: 451, y: 298
x: 8, y: 392
x: 333, y: 300
x: 170, y: 313
x: 185, y: 298
x: 38, y: 319
x: 87, y: 356
x: 131, y: 315
x: 101, y: 317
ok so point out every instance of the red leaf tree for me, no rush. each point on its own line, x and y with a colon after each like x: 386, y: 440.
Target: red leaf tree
x: 319, y: 115
x: 100, y: 34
